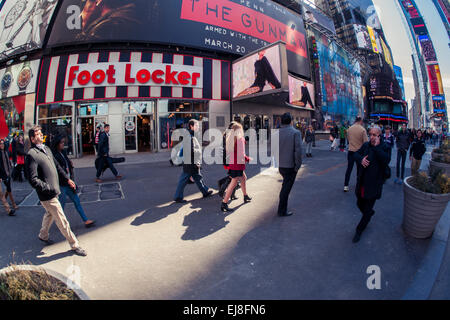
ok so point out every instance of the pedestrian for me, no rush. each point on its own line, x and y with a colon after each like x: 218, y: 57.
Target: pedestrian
x: 97, y: 137
x: 388, y: 139
x: 225, y: 182
x: 403, y: 142
x: 235, y: 148
x: 20, y: 158
x: 416, y: 152
x: 66, y: 164
x: 309, y: 140
x: 192, y: 166
x: 5, y: 177
x: 356, y: 136
x: 373, y: 158
x: 342, y: 134
x: 44, y: 173
x: 103, y: 154
x: 334, y: 137
x: 290, y: 160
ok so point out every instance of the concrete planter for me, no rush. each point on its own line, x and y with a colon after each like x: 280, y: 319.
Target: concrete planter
x: 421, y: 210
x: 80, y: 293
x: 445, y: 167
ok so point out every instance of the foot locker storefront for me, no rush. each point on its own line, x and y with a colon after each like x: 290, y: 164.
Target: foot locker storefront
x: 144, y: 96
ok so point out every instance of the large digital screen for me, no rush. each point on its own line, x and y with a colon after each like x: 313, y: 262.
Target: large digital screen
x: 23, y: 25
x: 233, y: 26
x: 260, y: 73
x: 434, y: 76
x: 399, y: 76
x: 419, y: 26
x: 427, y: 49
x: 301, y: 93
x: 362, y: 37
x: 439, y: 106
x: 315, y: 16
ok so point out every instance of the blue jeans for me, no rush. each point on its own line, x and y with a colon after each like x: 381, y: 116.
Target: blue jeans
x: 66, y: 190
x: 308, y: 147
x: 184, y: 180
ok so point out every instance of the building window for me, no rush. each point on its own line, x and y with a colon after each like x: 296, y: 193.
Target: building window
x: 92, y: 109
x: 138, y: 107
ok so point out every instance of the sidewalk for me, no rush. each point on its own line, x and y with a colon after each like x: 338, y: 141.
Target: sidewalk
x: 147, y: 247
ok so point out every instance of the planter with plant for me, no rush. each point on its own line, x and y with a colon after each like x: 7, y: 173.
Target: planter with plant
x: 440, y: 158
x: 27, y: 282
x: 425, y: 198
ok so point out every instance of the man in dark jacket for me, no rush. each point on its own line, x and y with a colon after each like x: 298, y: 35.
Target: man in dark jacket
x: 103, y: 155
x: 403, y: 141
x: 44, y: 173
x: 373, y: 157
x: 191, y: 165
x: 290, y: 160
x: 416, y: 152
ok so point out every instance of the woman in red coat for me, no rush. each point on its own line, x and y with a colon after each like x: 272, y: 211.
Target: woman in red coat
x: 235, y: 146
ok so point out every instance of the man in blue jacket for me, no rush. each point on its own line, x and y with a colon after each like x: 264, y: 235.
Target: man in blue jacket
x: 403, y: 141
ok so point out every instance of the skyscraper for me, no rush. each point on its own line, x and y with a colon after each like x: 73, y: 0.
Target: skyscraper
x: 433, y: 107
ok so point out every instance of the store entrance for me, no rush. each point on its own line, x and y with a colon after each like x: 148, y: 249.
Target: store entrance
x: 145, y: 133
x: 87, y: 136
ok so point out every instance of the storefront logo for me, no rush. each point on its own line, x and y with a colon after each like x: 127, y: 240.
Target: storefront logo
x: 137, y: 74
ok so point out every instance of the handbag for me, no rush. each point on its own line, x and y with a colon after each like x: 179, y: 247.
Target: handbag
x: 20, y: 159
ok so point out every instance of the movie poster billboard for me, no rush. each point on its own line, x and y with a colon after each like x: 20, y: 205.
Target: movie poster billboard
x: 19, y: 79
x: 439, y: 106
x: 373, y: 39
x: 301, y: 93
x: 260, y: 73
x: 23, y: 25
x: 232, y: 26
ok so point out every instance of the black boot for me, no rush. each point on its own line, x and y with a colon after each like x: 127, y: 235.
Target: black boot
x: 357, y: 236
x: 247, y: 199
x: 224, y: 207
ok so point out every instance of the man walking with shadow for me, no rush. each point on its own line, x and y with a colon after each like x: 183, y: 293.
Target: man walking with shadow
x: 44, y: 173
x: 290, y: 160
x: 103, y: 154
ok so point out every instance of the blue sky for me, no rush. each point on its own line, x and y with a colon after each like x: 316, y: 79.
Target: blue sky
x: 398, y: 40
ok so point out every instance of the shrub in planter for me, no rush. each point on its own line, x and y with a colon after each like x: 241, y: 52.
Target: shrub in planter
x: 425, y: 198
x: 19, y: 284
x: 442, y: 154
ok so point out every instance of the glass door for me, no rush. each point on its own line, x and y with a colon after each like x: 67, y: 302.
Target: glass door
x: 130, y: 127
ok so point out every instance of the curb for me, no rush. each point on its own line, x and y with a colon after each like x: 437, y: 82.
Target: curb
x: 78, y: 291
x: 426, y: 275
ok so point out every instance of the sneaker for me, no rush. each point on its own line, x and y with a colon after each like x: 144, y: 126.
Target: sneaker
x: 89, y: 223
x: 346, y: 189
x: 79, y: 252
x: 180, y: 200
x: 287, y: 214
x: 224, y: 207
x: 247, y: 199
x: 206, y: 195
x: 47, y: 242
x: 12, y: 212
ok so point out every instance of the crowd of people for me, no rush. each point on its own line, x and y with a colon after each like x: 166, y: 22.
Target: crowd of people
x: 51, y: 173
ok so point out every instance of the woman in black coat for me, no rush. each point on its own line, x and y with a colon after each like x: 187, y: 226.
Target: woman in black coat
x: 373, y: 158
x: 5, y: 177
x: 20, y: 158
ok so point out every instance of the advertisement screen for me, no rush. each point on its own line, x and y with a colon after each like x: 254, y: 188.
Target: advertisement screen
x: 434, y: 75
x: 236, y: 26
x: 399, y: 75
x: 23, y: 24
x: 301, y: 93
x: 439, y: 106
x: 19, y: 79
x: 315, y: 16
x: 259, y: 73
x: 419, y: 26
x: 427, y: 49
x: 387, y: 53
x: 373, y: 39
x: 362, y: 36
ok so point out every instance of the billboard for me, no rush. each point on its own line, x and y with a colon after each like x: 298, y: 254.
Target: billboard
x: 434, y: 75
x: 439, y: 106
x: 399, y: 75
x: 362, y: 37
x: 259, y: 73
x: 387, y: 54
x: 19, y: 79
x: 427, y: 49
x: 301, y: 93
x: 419, y: 26
x: 373, y: 39
x: 23, y: 25
x: 237, y: 27
x: 315, y: 16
